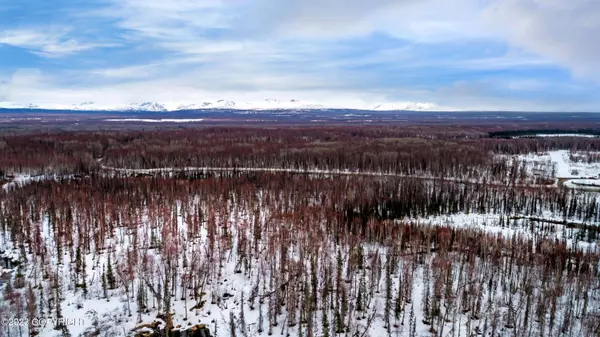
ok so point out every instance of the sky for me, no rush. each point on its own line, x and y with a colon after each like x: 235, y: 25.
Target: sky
x: 539, y: 55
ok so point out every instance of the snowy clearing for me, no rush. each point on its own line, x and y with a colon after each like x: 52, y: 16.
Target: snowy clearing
x: 563, y: 167
x: 547, y: 135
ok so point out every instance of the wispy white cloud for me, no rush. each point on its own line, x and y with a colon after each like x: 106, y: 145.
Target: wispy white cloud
x: 416, y: 20
x: 503, y: 62
x: 131, y: 72
x: 47, y: 41
x: 175, y: 21
x: 382, y: 50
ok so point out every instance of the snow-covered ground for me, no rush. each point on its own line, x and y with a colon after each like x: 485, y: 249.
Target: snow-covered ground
x: 515, y: 226
x: 566, y: 135
x: 566, y: 168
x: 585, y: 182
x: 118, y: 315
x: 21, y: 180
x: 589, y: 185
x: 554, y: 135
x: 562, y: 165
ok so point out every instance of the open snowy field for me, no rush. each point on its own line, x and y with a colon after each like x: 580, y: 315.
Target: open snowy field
x: 535, y: 228
x: 554, y: 135
x: 563, y: 166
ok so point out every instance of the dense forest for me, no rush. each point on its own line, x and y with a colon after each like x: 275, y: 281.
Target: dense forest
x: 435, y: 150
x: 89, y: 230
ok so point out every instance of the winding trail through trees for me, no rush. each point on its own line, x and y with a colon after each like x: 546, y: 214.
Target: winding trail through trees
x: 207, y: 169
x: 560, y: 182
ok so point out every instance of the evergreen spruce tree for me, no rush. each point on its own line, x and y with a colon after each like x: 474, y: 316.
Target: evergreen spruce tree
x: 57, y: 298
x: 339, y: 328
x: 359, y: 301
x: 344, y: 308
x: 388, y: 294
x: 325, y: 321
x: 232, y: 324
x: 270, y: 314
x: 140, y: 302
x: 8, y: 289
x: 84, y: 287
x: 19, y: 281
x: 426, y: 295
x: 399, y: 302
x: 77, y: 261
x: 300, y: 332
x: 110, y: 277
x: 41, y: 300
x: 412, y: 322
x: 361, y: 257
x: 84, y: 277
x: 23, y: 255
x: 104, y: 286
x: 260, y: 316
x: 243, y: 317
x: 360, y: 298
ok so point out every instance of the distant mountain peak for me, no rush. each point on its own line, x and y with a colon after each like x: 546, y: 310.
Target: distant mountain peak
x: 225, y: 104
x: 409, y: 106
x: 265, y: 104
x: 146, y: 106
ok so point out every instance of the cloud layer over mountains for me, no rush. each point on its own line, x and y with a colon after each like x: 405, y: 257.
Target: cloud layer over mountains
x: 469, y: 54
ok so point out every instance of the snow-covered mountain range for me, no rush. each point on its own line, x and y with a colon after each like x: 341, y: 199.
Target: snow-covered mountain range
x: 411, y: 106
x: 267, y: 104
